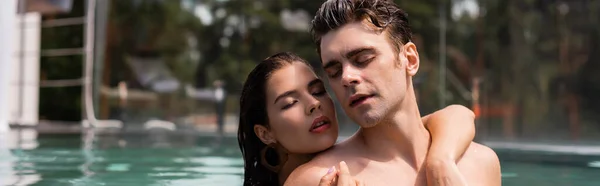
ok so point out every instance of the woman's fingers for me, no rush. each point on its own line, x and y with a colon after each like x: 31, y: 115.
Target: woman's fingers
x: 359, y: 183
x: 344, y: 177
x: 328, y: 178
x: 340, y: 177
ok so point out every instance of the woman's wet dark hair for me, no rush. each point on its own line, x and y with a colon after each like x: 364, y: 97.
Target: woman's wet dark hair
x: 253, y: 111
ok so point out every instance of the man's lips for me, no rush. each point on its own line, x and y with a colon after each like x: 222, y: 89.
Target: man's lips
x: 358, y: 99
x: 320, y: 124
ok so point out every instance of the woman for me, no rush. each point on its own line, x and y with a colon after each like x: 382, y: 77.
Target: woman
x: 286, y: 117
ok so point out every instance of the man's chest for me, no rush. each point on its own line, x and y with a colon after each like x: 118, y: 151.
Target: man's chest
x: 389, y: 174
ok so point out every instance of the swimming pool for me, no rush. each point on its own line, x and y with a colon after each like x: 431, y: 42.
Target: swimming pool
x: 164, y: 158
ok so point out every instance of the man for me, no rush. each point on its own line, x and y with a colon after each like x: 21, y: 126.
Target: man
x: 366, y: 52
x: 220, y: 105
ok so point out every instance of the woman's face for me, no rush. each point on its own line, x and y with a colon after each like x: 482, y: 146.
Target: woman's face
x: 301, y: 114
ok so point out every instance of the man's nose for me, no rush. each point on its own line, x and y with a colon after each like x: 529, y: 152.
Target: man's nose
x: 350, y: 76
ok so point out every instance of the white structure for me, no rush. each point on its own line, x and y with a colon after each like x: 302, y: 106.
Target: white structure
x: 20, y: 32
x: 7, y: 30
x: 23, y: 88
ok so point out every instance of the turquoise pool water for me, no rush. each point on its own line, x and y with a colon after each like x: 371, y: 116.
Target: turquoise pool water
x: 124, y: 159
x: 162, y: 158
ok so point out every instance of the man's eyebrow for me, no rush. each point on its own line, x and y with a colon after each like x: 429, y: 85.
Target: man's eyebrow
x: 357, y: 51
x: 285, y: 94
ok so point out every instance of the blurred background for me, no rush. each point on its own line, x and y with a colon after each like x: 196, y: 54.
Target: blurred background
x: 145, y: 92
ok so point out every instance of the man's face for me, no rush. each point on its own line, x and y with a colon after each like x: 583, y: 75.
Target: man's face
x: 368, y: 77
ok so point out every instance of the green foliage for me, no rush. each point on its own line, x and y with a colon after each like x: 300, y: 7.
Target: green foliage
x: 517, y: 44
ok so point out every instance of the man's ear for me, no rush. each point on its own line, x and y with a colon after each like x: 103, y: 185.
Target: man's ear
x: 412, y: 58
x: 264, y: 134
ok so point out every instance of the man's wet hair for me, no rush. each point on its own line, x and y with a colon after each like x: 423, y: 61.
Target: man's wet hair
x: 382, y: 15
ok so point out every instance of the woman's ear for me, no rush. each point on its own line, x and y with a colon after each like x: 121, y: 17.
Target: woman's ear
x: 264, y: 134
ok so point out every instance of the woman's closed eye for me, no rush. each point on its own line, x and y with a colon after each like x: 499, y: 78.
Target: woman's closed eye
x: 317, y: 88
x: 289, y: 104
x: 319, y: 93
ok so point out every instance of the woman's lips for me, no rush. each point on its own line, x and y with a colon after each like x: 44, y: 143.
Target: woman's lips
x: 320, y: 124
x: 321, y: 128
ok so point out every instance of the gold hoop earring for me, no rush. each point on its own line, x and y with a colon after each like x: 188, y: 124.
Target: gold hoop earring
x: 282, y: 157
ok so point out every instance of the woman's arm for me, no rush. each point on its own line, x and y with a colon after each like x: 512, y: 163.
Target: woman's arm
x: 452, y: 130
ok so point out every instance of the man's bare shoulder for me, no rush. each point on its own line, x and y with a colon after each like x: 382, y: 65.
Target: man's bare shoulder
x: 310, y: 173
x: 480, y: 165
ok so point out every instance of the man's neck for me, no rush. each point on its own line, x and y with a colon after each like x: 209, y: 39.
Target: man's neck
x: 402, y: 135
